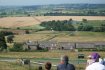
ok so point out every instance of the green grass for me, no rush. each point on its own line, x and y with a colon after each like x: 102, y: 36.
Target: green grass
x: 11, y: 66
x: 96, y: 22
x: 34, y: 27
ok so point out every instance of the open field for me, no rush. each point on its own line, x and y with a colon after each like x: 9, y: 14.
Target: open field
x: 81, y: 37
x: 32, y: 37
x: 62, y: 36
x: 11, y: 22
x: 51, y: 54
x: 17, y: 21
x: 10, y: 66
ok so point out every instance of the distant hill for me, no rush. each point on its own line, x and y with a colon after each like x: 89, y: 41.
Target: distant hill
x: 54, y: 10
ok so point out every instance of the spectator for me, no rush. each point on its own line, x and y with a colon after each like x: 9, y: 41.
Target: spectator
x: 40, y: 68
x: 48, y: 66
x: 95, y: 65
x: 101, y: 60
x: 64, y: 65
x: 89, y: 60
x: 104, y: 61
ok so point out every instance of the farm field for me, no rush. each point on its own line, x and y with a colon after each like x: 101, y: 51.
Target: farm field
x: 32, y: 37
x: 65, y: 36
x: 13, y: 22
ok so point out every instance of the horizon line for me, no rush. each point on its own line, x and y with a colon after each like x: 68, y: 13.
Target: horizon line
x: 50, y: 4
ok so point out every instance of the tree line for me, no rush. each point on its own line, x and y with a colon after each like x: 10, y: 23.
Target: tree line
x: 67, y: 25
x: 59, y: 25
x: 83, y: 13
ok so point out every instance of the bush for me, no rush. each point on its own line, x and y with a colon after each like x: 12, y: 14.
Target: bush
x: 85, y: 28
x: 17, y: 47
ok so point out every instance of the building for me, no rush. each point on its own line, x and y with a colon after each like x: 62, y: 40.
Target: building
x: 85, y: 45
x: 100, y: 45
x: 66, y: 45
x: 30, y: 45
x: 63, y: 45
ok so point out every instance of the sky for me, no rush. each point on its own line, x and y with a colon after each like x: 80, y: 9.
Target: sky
x: 44, y: 2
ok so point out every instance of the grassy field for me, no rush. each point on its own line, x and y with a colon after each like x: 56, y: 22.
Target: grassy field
x: 33, y: 27
x: 11, y: 66
x: 32, y: 37
x: 13, y: 22
x: 81, y: 37
x: 62, y: 36
x: 50, y: 54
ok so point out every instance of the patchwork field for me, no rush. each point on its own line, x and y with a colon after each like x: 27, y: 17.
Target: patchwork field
x: 12, y: 22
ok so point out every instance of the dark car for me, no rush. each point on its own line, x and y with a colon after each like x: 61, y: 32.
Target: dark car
x: 81, y: 56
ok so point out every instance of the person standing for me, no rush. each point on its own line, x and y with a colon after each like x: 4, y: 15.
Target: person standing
x: 40, y: 68
x: 65, y: 65
x: 89, y: 60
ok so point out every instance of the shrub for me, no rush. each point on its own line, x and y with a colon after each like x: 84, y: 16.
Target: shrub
x: 17, y: 47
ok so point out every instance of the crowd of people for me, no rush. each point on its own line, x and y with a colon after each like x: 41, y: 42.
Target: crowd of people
x: 94, y: 62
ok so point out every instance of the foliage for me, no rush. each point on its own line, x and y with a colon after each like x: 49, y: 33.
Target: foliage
x: 6, y: 33
x: 84, y: 20
x: 100, y: 28
x: 10, y: 38
x: 17, y: 47
x: 3, y: 44
x: 103, y: 27
x: 27, y: 32
x: 85, y: 28
x: 59, y: 25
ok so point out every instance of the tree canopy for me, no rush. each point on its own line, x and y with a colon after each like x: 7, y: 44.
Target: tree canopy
x: 3, y: 44
x: 65, y: 25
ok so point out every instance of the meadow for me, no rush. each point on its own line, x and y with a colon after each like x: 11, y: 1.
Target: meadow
x: 61, y: 36
x: 11, y: 66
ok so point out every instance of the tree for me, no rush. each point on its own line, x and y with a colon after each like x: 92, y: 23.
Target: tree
x: 6, y: 33
x: 103, y: 27
x: 80, y: 28
x: 17, y: 47
x: 97, y: 29
x: 84, y: 20
x: 65, y: 25
x: 10, y: 38
x: 27, y: 32
x: 3, y: 44
x: 85, y: 28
